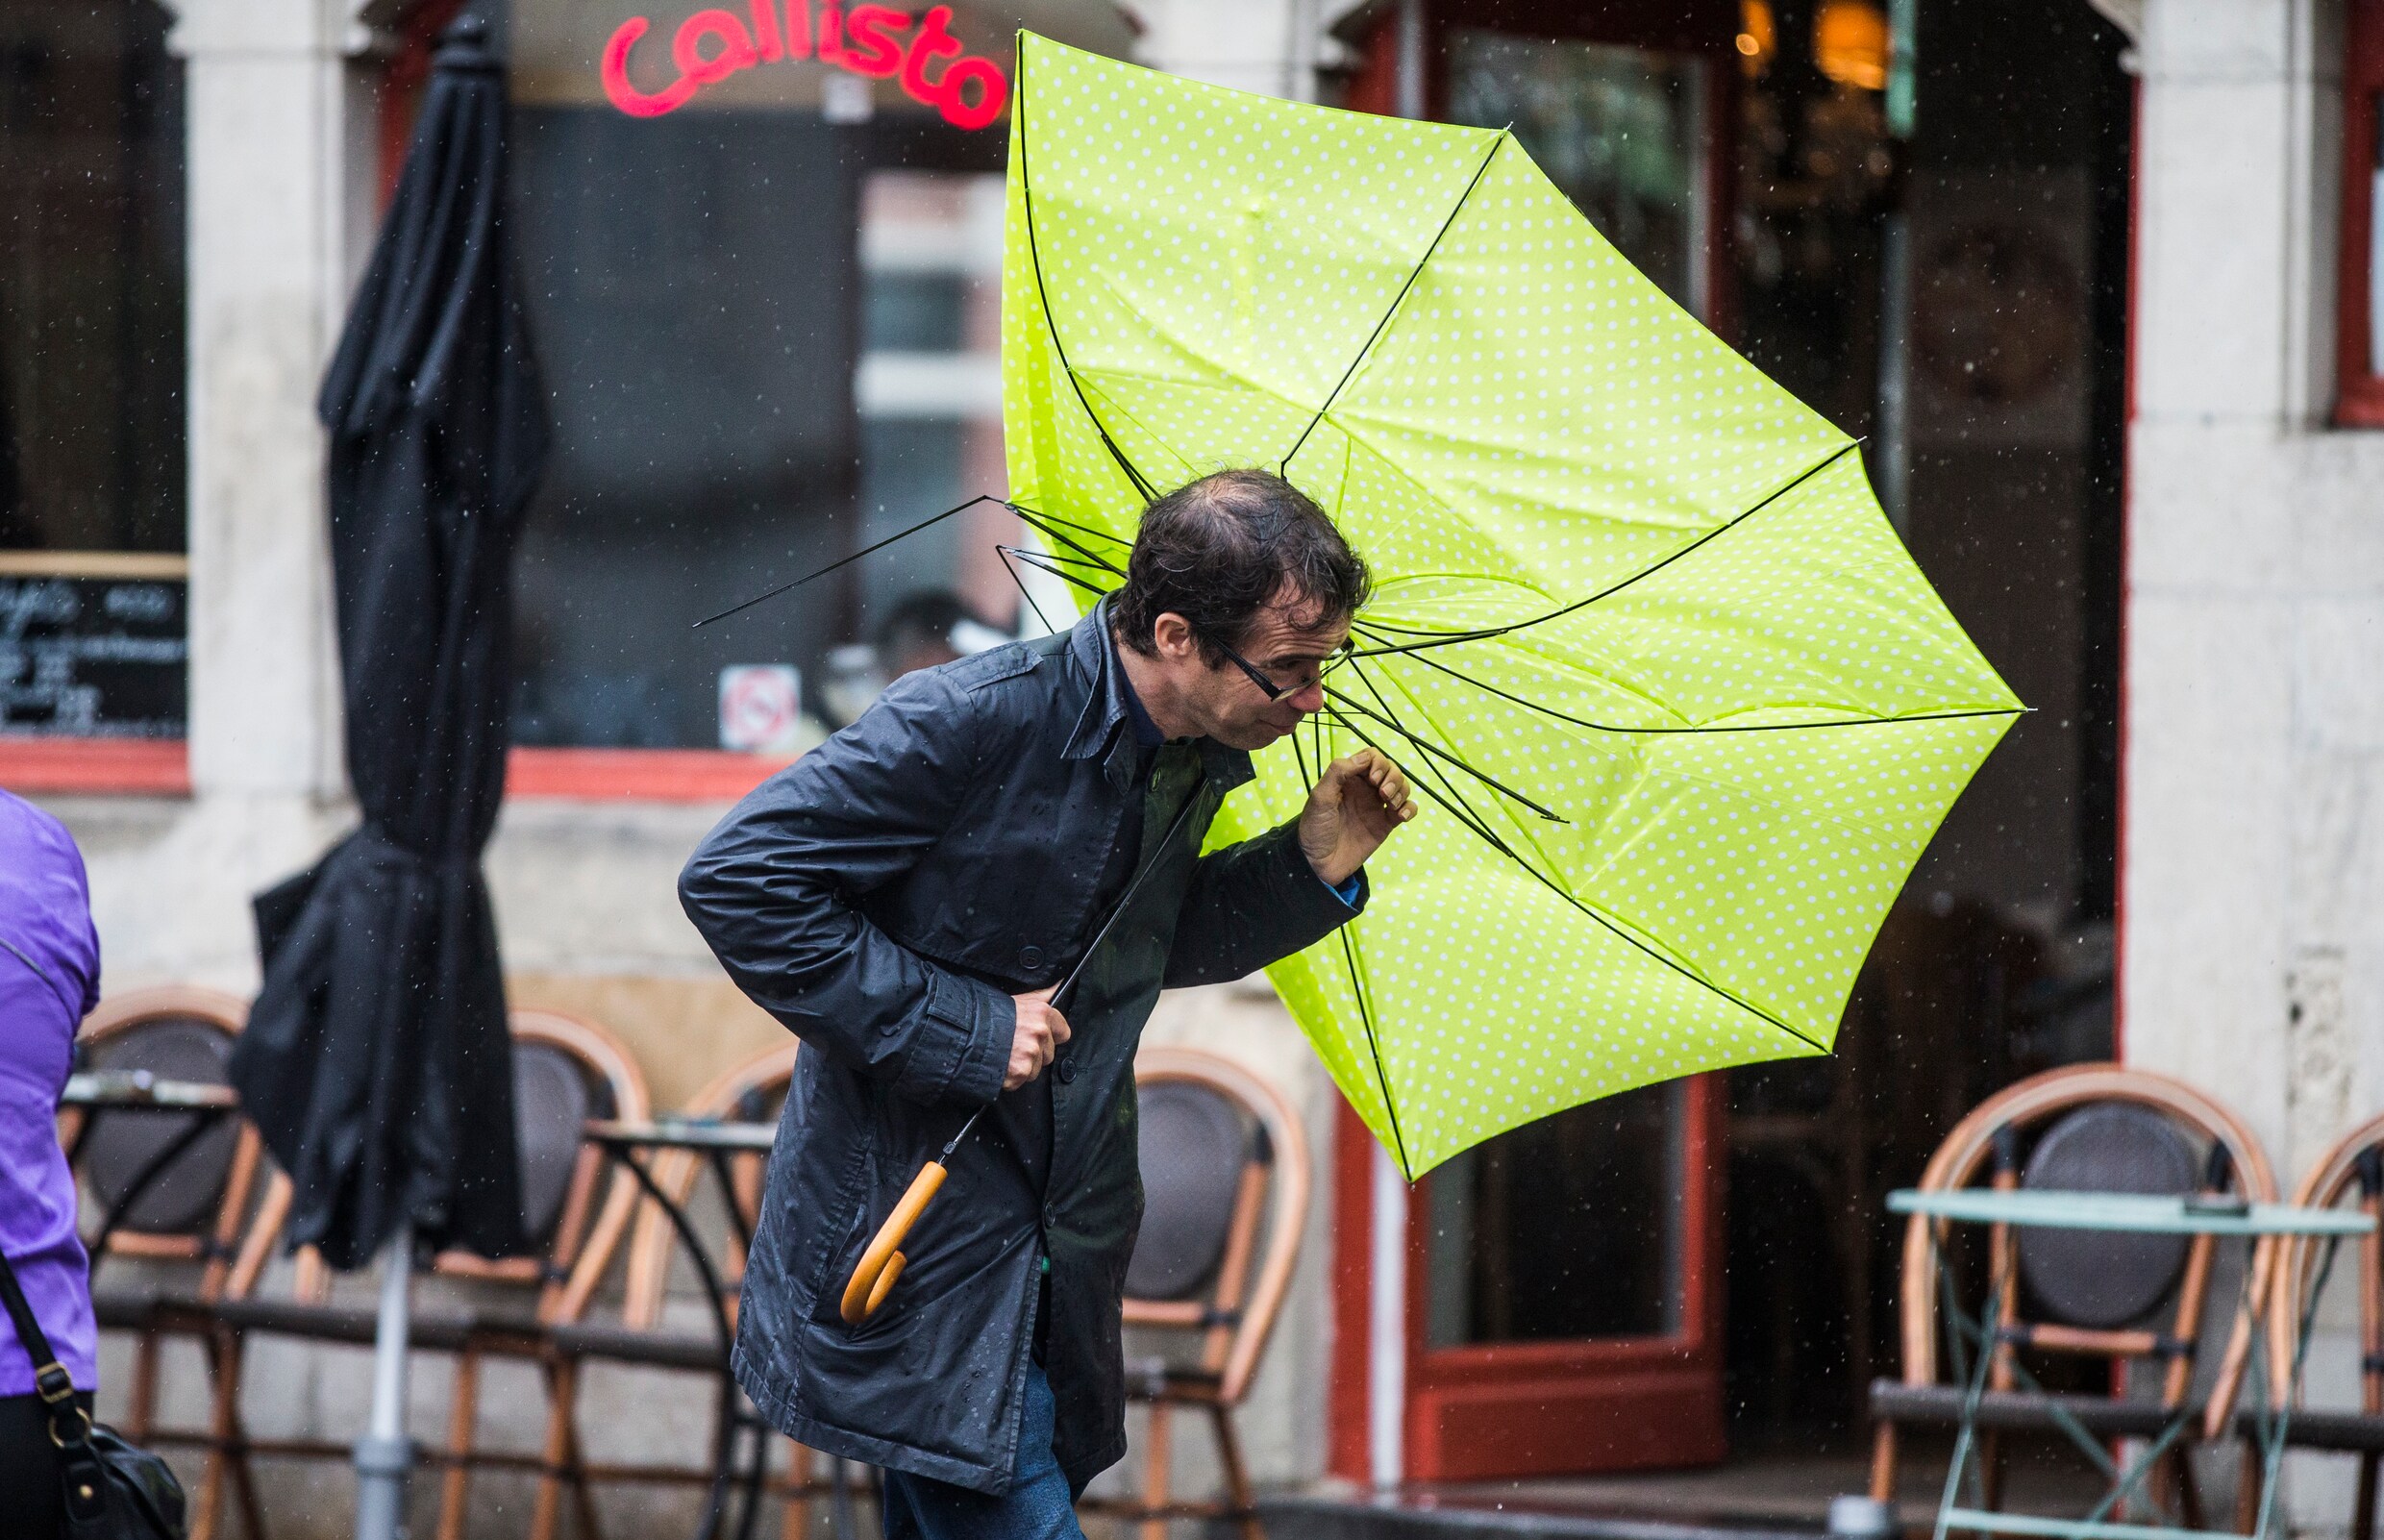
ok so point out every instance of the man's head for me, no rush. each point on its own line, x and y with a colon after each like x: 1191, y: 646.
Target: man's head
x: 1236, y: 577
x: 917, y: 633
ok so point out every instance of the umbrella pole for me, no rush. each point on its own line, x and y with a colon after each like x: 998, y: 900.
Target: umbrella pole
x: 383, y: 1454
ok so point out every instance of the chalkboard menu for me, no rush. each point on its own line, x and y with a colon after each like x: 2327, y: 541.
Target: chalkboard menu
x: 93, y: 644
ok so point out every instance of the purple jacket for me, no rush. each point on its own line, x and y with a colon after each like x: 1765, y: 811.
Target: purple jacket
x: 49, y: 982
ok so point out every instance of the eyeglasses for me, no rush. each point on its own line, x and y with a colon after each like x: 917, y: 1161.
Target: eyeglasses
x: 1273, y: 692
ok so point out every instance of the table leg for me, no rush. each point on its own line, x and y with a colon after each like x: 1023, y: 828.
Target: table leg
x: 2273, y: 1416
x: 1965, y: 1434
x: 724, y: 1441
x: 840, y: 1521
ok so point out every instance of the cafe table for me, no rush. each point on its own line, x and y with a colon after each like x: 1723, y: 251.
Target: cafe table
x: 1975, y: 1339
x: 717, y: 1143
x: 136, y: 1093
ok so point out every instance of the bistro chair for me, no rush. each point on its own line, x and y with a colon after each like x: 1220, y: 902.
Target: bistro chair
x: 2352, y: 1169
x: 1225, y: 1176
x: 565, y: 1071
x: 2090, y: 1128
x: 752, y: 1092
x: 184, y: 1226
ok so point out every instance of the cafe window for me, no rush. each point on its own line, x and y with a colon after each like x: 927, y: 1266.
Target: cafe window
x: 2360, y: 312
x: 763, y: 251
x: 92, y: 634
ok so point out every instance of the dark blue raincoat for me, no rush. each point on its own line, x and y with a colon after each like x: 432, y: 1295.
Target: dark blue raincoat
x: 884, y: 897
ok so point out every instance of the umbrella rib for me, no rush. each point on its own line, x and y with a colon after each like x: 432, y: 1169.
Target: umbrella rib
x: 1752, y: 726
x: 1447, y: 639
x: 1448, y: 798
x: 1541, y: 878
x: 1349, y: 961
x: 1036, y: 519
x: 1043, y: 299
x: 1350, y: 703
x: 1052, y: 560
x: 1521, y: 834
x: 1005, y: 552
x: 1283, y: 465
x: 1033, y: 514
x: 1374, y: 1050
x: 772, y: 593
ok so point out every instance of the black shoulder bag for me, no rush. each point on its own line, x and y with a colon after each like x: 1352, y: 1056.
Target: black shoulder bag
x: 113, y: 1490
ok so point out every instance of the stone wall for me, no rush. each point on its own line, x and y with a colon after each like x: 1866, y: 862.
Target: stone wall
x: 2252, y: 869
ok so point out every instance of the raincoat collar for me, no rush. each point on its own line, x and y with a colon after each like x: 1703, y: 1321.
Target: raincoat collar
x: 1104, y: 729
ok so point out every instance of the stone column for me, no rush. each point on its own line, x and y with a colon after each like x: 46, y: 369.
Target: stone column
x: 278, y: 160
x: 266, y: 95
x: 2253, y: 916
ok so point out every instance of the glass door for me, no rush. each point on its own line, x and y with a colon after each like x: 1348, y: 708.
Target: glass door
x: 1565, y: 1294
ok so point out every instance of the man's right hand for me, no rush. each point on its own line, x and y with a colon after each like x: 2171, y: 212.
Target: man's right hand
x: 1041, y: 1030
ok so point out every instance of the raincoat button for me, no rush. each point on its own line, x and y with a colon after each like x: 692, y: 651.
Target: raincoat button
x: 1031, y: 957
x: 1065, y: 1069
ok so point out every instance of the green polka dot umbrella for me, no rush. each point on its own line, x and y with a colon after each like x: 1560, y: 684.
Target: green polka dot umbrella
x: 1683, y: 711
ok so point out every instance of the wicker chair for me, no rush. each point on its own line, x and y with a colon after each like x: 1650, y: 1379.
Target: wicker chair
x: 750, y: 1092
x: 184, y: 1226
x: 1226, y: 1178
x: 2090, y: 1128
x: 565, y: 1072
x: 2352, y: 1169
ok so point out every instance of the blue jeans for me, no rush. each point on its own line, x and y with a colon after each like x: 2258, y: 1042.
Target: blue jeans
x: 1038, y: 1506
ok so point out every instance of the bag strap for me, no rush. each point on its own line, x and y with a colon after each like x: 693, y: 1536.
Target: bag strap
x: 49, y: 1374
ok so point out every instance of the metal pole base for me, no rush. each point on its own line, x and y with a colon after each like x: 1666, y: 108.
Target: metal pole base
x: 385, y: 1453
x: 381, y: 1468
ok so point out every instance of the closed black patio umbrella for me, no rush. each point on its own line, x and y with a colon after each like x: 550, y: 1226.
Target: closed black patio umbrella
x: 376, y: 1061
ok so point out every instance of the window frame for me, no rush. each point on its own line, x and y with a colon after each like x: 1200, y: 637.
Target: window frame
x: 2359, y: 391
x: 102, y: 767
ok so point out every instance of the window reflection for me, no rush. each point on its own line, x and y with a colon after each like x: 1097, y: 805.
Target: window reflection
x: 1568, y: 1228
x: 1616, y: 129
x: 770, y: 327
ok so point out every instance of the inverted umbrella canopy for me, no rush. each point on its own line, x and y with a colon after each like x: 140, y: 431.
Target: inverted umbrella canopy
x: 1683, y: 711
x: 376, y: 1061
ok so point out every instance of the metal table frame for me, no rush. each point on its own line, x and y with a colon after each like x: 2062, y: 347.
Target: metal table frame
x: 95, y: 1095
x: 718, y: 1143
x: 2131, y: 1213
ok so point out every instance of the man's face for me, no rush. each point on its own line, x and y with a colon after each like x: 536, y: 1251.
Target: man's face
x: 1288, y: 643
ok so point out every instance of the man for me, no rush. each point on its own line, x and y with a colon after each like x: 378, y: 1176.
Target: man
x: 906, y: 898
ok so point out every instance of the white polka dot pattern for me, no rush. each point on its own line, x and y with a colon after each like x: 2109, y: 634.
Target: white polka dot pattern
x: 1621, y: 573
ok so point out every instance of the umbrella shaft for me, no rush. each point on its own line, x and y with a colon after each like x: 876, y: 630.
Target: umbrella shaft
x: 1093, y: 946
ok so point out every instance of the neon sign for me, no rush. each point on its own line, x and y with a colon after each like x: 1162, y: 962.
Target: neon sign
x: 711, y: 45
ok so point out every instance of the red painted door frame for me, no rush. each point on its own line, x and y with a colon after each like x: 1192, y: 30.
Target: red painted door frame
x: 1540, y: 1408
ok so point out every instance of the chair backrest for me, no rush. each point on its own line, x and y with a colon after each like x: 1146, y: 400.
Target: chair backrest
x: 193, y: 1208
x: 752, y: 1092
x: 2099, y: 1279
x: 565, y: 1071
x: 2095, y: 1128
x: 2351, y: 1168
x: 1223, y: 1157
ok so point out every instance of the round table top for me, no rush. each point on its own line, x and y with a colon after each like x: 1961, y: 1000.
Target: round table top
x: 685, y: 1133
x: 112, y: 1089
x: 2139, y: 1212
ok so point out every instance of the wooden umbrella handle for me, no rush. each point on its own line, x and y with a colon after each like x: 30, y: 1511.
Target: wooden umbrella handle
x: 882, y: 1264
